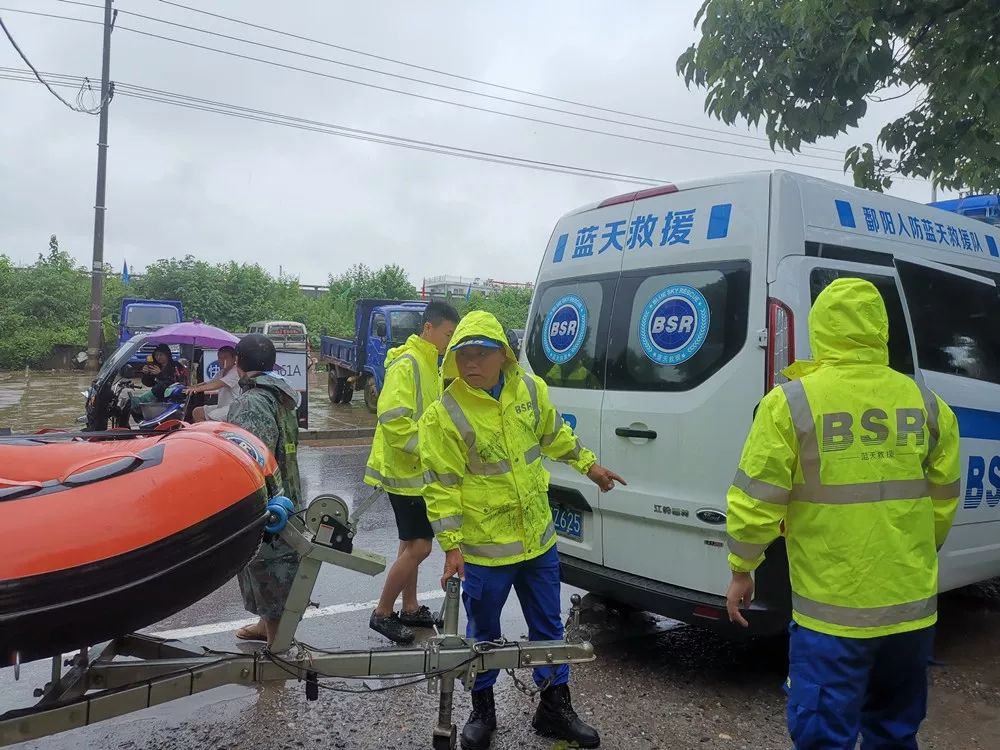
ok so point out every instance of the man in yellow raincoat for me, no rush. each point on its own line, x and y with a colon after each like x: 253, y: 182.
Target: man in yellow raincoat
x: 858, y: 466
x: 481, y: 447
x: 412, y: 383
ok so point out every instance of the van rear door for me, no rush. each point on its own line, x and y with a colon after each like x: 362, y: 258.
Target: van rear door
x: 566, y: 345
x: 685, y: 372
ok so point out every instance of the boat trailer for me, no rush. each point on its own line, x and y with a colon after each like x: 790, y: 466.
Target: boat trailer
x: 100, y: 684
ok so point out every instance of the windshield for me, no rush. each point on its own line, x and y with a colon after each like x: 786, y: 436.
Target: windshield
x: 121, y: 356
x: 150, y: 316
x: 405, y: 323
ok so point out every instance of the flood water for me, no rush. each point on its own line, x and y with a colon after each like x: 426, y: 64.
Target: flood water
x: 32, y: 399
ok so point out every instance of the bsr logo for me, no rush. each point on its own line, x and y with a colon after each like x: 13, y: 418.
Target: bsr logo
x: 838, y: 428
x: 673, y: 324
x: 564, y: 328
x: 982, y: 482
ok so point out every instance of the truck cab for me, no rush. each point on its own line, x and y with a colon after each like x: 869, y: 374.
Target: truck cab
x: 379, y: 325
x: 140, y: 316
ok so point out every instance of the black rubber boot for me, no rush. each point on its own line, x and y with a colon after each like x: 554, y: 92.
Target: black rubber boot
x: 482, y: 723
x: 556, y: 718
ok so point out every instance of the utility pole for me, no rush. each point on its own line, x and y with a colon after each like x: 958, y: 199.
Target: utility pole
x: 933, y: 189
x: 97, y: 264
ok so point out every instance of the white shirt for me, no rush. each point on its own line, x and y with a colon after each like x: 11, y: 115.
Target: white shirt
x: 230, y: 387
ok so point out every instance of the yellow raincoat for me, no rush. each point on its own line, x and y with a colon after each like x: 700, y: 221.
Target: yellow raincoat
x: 487, y: 490
x: 861, y: 465
x: 412, y: 383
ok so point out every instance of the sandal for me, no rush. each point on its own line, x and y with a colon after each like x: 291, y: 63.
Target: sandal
x: 250, y: 633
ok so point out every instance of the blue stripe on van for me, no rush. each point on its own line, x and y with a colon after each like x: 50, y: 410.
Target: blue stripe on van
x: 992, y: 245
x: 846, y: 214
x: 718, y: 221
x: 560, y: 248
x: 977, y: 423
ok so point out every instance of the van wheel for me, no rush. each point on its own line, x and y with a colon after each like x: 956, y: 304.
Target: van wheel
x: 371, y: 395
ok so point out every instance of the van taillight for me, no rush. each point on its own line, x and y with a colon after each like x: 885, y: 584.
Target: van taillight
x: 780, y: 341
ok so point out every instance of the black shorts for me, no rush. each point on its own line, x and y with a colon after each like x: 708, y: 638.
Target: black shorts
x: 411, y: 517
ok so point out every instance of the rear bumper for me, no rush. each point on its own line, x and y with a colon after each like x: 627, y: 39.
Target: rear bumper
x: 686, y: 605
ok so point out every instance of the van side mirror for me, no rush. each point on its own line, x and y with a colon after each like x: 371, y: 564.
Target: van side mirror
x: 380, y: 329
x: 116, y: 319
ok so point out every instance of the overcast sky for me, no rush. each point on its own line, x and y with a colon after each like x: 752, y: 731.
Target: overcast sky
x: 219, y: 188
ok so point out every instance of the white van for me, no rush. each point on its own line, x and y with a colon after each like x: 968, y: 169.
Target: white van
x: 286, y: 334
x: 661, y: 318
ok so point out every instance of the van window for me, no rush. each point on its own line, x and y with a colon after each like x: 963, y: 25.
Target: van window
x: 900, y: 351
x: 567, y: 332
x: 674, y: 328
x: 954, y: 322
x: 287, y: 331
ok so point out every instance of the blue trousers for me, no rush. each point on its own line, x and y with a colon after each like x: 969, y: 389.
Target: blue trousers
x: 485, y: 591
x: 839, y: 687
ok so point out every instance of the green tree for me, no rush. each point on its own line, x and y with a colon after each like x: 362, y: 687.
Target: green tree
x: 809, y: 68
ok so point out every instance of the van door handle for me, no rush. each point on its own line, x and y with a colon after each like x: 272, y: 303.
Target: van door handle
x: 628, y: 432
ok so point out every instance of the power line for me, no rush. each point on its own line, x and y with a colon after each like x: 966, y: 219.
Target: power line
x: 567, y: 126
x: 78, y: 107
x: 459, y: 89
x: 273, y: 118
x: 457, y: 76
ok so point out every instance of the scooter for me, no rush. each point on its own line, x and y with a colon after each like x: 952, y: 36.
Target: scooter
x: 173, y: 407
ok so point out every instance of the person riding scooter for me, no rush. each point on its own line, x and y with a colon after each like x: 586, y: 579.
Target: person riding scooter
x: 160, y: 372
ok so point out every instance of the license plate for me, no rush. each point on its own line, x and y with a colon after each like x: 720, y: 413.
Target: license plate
x: 568, y: 522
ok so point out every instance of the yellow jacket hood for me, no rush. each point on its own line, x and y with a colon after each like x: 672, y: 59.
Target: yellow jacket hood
x: 477, y: 324
x: 848, y: 324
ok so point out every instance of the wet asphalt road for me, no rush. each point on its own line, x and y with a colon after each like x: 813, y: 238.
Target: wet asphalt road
x: 655, y: 684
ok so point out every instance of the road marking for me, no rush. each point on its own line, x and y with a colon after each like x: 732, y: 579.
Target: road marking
x: 226, y: 627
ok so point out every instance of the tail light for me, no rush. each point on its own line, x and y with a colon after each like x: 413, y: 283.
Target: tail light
x: 780, y: 341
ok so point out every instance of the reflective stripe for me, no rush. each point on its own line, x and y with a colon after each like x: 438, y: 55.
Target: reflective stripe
x: 758, y: 489
x: 805, y: 427
x: 458, y: 417
x: 933, y: 411
x: 400, y: 411
x: 476, y: 464
x: 550, y: 531
x: 412, y: 482
x: 445, y: 480
x: 532, y: 386
x: 488, y: 470
x: 945, y: 491
x: 532, y: 454
x: 865, y: 617
x: 550, y: 437
x: 746, y: 550
x: 493, y: 551
x: 416, y: 381
x: 446, y: 524
x: 573, y: 453
x: 411, y: 444
x: 861, y: 492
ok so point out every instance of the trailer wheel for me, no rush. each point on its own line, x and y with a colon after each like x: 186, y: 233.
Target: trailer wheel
x: 371, y: 395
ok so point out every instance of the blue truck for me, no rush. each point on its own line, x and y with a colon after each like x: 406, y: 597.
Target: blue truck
x: 144, y: 316
x: 359, y: 362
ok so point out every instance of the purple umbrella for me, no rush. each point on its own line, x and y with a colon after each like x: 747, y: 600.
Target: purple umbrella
x: 195, y: 333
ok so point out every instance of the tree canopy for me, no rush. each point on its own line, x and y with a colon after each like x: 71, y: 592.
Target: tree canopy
x: 48, y: 302
x: 809, y: 69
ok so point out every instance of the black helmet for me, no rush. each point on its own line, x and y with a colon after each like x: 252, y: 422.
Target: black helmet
x: 255, y: 353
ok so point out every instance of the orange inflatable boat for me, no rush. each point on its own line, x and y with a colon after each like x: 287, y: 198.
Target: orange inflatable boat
x: 106, y: 536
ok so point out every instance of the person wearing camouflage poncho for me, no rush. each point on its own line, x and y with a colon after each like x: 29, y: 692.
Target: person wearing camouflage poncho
x: 267, y: 408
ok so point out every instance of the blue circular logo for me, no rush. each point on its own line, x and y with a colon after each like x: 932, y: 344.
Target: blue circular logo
x: 565, y: 329
x: 674, y: 324
x: 247, y: 447
x: 213, y: 370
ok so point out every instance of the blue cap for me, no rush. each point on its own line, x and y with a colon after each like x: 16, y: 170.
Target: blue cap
x: 488, y: 343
